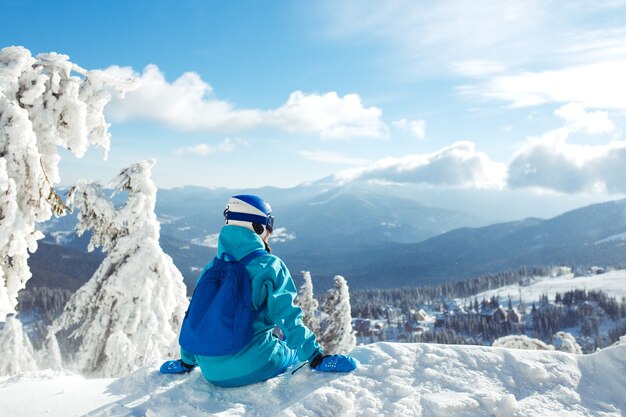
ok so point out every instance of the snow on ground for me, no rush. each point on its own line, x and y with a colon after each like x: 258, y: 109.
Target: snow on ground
x: 612, y: 283
x: 53, y: 393
x: 393, y: 380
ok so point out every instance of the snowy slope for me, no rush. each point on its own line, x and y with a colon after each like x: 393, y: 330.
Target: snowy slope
x: 612, y: 283
x: 393, y: 380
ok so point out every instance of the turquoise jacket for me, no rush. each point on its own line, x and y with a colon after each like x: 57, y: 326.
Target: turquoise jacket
x: 274, y: 290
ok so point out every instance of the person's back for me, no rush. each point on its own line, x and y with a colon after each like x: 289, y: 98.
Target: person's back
x: 248, y: 226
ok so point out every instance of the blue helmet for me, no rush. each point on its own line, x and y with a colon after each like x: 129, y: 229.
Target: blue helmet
x: 247, y: 211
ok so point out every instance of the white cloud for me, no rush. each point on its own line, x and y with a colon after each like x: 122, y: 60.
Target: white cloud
x: 416, y: 127
x: 482, y: 37
x: 457, y: 165
x: 600, y: 85
x: 331, y: 157
x: 579, y: 120
x: 189, y: 104
x: 550, y: 162
x: 477, y: 68
x: 333, y: 117
x: 205, y: 150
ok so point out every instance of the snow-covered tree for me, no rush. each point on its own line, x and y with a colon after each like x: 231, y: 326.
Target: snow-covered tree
x: 131, y: 309
x: 566, y: 342
x: 563, y: 341
x: 338, y: 336
x: 521, y: 342
x: 17, y: 354
x: 308, y: 303
x: 49, y: 356
x: 46, y: 102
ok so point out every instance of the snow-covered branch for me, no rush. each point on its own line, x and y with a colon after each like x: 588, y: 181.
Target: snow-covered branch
x: 45, y: 102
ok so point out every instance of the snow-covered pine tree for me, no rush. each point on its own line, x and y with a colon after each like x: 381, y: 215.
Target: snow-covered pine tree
x: 566, y: 342
x: 131, y: 309
x: 308, y: 303
x: 17, y: 351
x: 49, y: 356
x: 338, y: 336
x: 46, y: 102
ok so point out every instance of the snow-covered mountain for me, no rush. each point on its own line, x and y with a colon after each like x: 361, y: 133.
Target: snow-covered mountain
x: 592, y: 235
x: 341, y: 218
x: 343, y: 214
x: 392, y: 380
x: 376, y: 239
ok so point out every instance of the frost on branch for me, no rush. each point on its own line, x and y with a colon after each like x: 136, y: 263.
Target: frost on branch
x: 338, y: 336
x: 97, y: 214
x: 131, y: 309
x: 45, y: 102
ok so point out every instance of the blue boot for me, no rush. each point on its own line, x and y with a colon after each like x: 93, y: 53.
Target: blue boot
x: 175, y: 367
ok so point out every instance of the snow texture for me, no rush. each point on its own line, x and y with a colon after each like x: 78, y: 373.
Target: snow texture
x: 392, y: 380
x: 131, y: 309
x: 46, y: 102
x: 338, y: 336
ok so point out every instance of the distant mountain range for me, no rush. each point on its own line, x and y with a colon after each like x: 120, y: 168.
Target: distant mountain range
x: 593, y: 235
x: 373, y: 237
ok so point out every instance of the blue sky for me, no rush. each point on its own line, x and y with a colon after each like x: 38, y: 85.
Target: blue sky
x: 524, y: 95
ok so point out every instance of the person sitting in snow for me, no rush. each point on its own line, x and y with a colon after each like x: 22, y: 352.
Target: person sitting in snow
x: 244, y: 238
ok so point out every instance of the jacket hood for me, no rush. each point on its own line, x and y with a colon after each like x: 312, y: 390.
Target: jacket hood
x: 238, y: 241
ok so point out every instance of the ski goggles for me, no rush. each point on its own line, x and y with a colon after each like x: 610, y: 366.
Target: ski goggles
x: 252, y: 218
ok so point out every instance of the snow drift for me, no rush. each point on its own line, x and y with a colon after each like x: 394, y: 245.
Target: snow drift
x: 393, y: 379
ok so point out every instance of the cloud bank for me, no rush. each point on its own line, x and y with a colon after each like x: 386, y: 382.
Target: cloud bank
x: 550, y: 162
x: 547, y: 162
x: 457, y: 165
x: 189, y: 104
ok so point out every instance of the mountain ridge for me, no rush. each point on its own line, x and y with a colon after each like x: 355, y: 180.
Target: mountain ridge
x: 379, y: 239
x: 574, y: 238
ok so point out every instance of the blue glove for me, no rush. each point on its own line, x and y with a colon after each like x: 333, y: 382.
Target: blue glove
x: 333, y: 363
x: 175, y: 367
